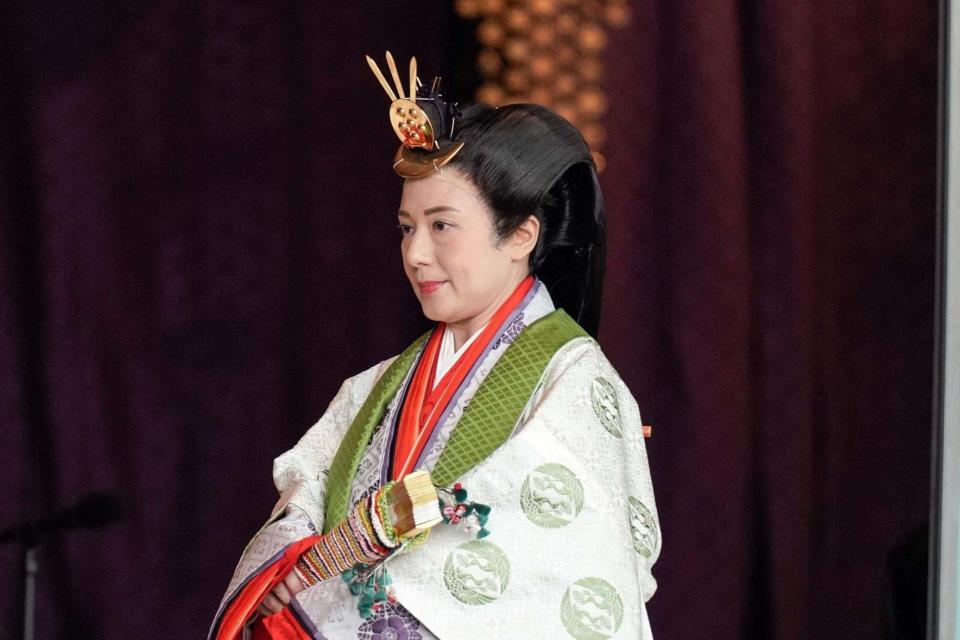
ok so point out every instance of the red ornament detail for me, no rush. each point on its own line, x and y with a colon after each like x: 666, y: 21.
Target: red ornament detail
x: 412, y: 137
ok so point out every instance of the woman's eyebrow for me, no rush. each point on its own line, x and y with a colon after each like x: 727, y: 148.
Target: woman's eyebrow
x: 429, y: 211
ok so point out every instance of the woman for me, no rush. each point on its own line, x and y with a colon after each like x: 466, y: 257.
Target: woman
x: 509, y: 397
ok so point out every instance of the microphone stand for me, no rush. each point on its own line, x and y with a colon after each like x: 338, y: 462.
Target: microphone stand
x: 95, y: 510
x: 30, y: 568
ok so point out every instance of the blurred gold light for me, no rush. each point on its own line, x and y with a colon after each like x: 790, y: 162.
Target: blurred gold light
x: 543, y: 7
x: 541, y: 66
x: 601, y: 161
x: 489, y: 61
x: 518, y: 19
x: 565, y: 54
x: 492, y: 6
x: 565, y: 84
x: 541, y: 95
x: 591, y: 70
x: 566, y: 23
x: 566, y: 111
x: 592, y: 102
x: 542, y: 35
x: 517, y: 49
x: 547, y: 52
x: 469, y: 9
x: 490, y: 33
x: 516, y: 80
x: 594, y: 134
x: 617, y: 14
x: 592, y: 38
x: 491, y: 94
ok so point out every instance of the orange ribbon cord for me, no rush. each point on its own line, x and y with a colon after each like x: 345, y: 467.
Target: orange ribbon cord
x: 245, y: 604
x: 421, y: 409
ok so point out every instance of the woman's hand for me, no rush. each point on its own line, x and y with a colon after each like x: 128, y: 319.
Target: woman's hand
x: 282, y: 594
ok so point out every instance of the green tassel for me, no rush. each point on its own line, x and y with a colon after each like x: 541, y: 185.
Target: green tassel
x: 482, y: 509
x: 460, y: 495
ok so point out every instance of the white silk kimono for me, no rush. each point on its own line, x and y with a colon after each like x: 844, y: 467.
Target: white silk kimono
x: 574, y: 526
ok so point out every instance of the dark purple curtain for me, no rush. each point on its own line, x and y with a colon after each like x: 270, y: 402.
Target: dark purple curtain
x: 197, y: 247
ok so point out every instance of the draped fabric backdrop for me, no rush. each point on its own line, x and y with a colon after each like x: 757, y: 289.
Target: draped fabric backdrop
x: 197, y: 247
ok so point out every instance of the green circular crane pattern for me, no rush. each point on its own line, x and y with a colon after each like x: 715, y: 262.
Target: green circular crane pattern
x: 591, y: 609
x: 643, y: 528
x: 603, y: 397
x: 476, y: 572
x: 551, y: 496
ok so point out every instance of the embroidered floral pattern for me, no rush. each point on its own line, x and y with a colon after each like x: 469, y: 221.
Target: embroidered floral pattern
x: 643, y: 528
x: 476, y: 572
x: 551, y: 496
x: 511, y: 332
x: 605, y: 405
x: 390, y: 623
x: 591, y: 609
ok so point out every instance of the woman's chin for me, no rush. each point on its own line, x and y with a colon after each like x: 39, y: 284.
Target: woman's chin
x: 431, y: 312
x: 434, y: 311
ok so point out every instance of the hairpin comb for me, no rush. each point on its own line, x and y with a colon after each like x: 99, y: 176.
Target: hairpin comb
x: 424, y: 143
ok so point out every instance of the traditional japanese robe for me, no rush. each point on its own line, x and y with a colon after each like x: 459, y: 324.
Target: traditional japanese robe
x: 545, y: 432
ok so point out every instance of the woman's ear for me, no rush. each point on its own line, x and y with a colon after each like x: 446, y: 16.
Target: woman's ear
x: 524, y: 239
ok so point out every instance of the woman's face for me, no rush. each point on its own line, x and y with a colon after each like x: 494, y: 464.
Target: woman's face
x: 458, y: 270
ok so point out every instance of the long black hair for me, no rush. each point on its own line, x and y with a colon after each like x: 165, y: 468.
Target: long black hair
x: 527, y: 160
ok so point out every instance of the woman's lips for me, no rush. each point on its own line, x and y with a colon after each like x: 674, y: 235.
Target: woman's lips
x: 429, y: 286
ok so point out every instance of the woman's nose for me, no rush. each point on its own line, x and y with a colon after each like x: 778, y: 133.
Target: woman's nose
x: 418, y: 251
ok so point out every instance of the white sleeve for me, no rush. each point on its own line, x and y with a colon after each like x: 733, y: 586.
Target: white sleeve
x: 300, y: 474
x: 581, y: 385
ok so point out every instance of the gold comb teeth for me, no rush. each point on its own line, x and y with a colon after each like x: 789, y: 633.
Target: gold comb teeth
x: 413, y: 79
x: 383, y: 81
x: 394, y: 74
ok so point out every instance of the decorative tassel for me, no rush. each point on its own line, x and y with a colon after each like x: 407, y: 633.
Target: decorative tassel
x: 458, y: 510
x: 372, y: 584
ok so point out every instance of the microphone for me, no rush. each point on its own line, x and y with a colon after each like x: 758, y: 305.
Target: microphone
x: 92, y: 511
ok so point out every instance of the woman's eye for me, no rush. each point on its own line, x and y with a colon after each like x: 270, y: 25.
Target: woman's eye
x: 440, y: 225
x: 405, y: 229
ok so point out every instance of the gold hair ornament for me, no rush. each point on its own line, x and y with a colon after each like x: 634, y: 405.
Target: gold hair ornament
x: 420, y: 152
